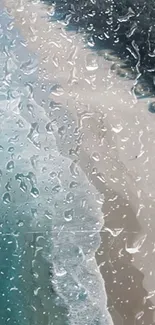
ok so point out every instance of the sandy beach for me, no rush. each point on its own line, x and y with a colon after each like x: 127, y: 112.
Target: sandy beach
x: 116, y: 151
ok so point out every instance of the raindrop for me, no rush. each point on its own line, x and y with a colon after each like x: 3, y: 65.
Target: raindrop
x: 114, y: 232
x: 152, y: 107
x: 34, y: 192
x: 126, y: 17
x: 34, y: 134
x: 30, y: 108
x: 56, y: 189
x: 68, y: 215
x: 23, y: 186
x: 6, y: 198
x: 29, y: 67
x: 73, y: 169
x: 91, y: 64
x: 137, y: 245
x: 11, y: 149
x: 73, y: 184
x: 57, y: 90
x: 20, y: 223
x: 96, y: 156
x: 49, y: 128
x: 1, y: 148
x: 117, y: 129
x: 10, y: 166
x: 69, y: 197
x: 101, y: 177
x: 8, y: 186
x: 61, y: 131
x: 60, y: 272
x: 48, y: 215
x: 53, y: 174
x: 10, y: 66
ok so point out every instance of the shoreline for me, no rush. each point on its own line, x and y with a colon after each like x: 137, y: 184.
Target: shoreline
x: 120, y: 171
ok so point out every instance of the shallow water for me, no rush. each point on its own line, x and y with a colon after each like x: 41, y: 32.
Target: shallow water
x: 50, y: 213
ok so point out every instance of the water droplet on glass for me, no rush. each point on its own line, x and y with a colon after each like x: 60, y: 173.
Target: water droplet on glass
x: 60, y: 271
x: 69, y: 197
x: 34, y: 134
x: 152, y: 107
x: 48, y: 215
x: 96, y: 156
x: 23, y: 186
x: 20, y: 223
x: 68, y: 215
x: 29, y: 66
x: 56, y: 189
x: 57, y: 90
x: 8, y: 186
x: 73, y: 169
x: 61, y: 131
x: 137, y: 245
x: 73, y: 184
x: 91, y: 63
x: 49, y: 128
x: 34, y: 192
x: 11, y: 149
x: 10, y: 166
x: 6, y: 198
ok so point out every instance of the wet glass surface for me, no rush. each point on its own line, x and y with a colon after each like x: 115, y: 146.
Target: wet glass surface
x: 77, y: 162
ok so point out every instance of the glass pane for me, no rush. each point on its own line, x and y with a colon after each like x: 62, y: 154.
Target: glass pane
x: 77, y: 162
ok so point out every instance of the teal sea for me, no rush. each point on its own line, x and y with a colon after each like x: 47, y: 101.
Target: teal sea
x: 50, y: 215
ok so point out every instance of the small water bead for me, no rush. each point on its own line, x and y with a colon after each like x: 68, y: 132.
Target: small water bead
x: 57, y: 90
x: 48, y: 215
x: 11, y: 149
x: 73, y: 185
x: 68, y: 215
x: 96, y: 156
x: 20, y: 223
x: 73, y: 169
x: 6, y: 198
x: 56, y: 189
x: 69, y: 197
x: 61, y: 131
x: 23, y: 186
x: 34, y: 192
x: 8, y: 186
x: 49, y: 128
x: 10, y: 166
x: 53, y: 174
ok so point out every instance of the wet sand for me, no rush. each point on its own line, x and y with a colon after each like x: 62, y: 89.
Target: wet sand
x: 116, y: 152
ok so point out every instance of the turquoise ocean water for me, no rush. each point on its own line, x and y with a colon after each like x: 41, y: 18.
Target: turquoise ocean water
x: 50, y: 215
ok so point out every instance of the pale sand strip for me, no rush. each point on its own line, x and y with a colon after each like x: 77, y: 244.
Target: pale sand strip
x: 98, y: 98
